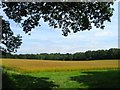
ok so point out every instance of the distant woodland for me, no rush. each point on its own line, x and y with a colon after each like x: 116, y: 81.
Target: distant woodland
x: 113, y: 53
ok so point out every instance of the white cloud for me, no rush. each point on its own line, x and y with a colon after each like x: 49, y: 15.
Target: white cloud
x: 105, y: 33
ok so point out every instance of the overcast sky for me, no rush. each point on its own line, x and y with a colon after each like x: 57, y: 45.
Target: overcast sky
x: 46, y: 39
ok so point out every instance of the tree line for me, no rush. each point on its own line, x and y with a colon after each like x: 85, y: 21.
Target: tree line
x: 112, y: 53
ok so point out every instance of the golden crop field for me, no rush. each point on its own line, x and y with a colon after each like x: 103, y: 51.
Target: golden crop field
x: 49, y: 65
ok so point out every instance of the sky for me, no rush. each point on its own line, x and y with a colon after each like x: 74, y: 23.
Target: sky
x: 46, y: 39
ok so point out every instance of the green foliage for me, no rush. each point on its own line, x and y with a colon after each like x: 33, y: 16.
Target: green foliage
x: 112, y: 53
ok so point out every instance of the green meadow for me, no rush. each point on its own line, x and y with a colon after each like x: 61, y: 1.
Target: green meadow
x: 65, y: 79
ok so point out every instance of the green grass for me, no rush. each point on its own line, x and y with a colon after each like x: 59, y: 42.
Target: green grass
x: 60, y: 78
x: 108, y: 78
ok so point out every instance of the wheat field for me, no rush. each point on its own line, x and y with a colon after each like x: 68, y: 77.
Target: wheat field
x: 49, y: 65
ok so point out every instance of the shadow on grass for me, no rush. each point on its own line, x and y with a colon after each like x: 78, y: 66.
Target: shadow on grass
x: 25, y: 82
x: 99, y: 79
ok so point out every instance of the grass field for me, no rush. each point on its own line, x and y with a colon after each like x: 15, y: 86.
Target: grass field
x: 49, y: 65
x: 108, y: 78
x: 28, y: 74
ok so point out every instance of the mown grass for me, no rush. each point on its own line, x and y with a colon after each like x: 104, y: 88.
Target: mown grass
x: 49, y: 65
x: 108, y: 78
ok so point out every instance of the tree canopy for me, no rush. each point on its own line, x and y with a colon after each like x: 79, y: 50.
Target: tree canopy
x: 8, y: 39
x: 68, y: 16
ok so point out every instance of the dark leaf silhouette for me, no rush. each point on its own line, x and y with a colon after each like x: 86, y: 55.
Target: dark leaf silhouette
x: 8, y: 39
x: 68, y: 16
